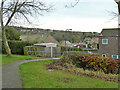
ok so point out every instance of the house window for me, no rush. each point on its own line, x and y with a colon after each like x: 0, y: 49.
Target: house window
x: 104, y: 41
x: 115, y: 56
x: 118, y: 56
x: 104, y: 55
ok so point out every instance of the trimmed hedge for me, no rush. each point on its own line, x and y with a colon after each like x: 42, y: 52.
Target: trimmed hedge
x: 95, y: 62
x: 63, y: 48
x: 17, y: 47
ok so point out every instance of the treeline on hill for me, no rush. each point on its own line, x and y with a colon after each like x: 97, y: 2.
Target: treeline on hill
x: 59, y: 35
x: 72, y: 36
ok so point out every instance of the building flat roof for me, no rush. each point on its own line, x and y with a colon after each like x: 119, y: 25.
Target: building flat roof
x: 46, y: 44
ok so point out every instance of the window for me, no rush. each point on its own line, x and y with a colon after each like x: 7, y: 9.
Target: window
x: 104, y: 55
x: 104, y: 41
x: 116, y: 56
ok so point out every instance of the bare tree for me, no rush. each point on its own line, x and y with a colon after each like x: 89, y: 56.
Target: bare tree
x: 77, y: 1
x: 114, y: 14
x: 118, y: 3
x: 11, y: 9
x: 72, y: 4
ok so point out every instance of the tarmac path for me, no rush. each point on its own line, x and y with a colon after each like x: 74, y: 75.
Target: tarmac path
x: 11, y: 77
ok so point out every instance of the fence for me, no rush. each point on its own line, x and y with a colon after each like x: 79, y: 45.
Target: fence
x: 42, y: 51
x: 78, y: 52
x: 48, y: 54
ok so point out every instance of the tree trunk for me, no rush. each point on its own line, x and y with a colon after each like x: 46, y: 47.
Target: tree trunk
x: 119, y: 15
x: 7, y: 48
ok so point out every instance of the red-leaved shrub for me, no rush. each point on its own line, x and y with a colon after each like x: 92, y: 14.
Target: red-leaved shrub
x: 96, y: 62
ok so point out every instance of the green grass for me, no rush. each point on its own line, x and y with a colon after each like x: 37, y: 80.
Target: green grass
x: 6, y: 59
x: 35, y: 75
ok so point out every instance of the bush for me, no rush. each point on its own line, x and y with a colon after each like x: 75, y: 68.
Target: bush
x: 67, y: 64
x: 63, y: 48
x: 95, y: 62
x: 17, y: 47
x: 12, y: 34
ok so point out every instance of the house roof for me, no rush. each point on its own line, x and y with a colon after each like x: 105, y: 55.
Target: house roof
x: 110, y: 32
x: 67, y: 42
x: 111, y: 28
x: 39, y: 38
x: 33, y: 37
x: 46, y: 44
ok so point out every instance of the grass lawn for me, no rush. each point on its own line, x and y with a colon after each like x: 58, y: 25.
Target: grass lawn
x: 14, y: 58
x: 35, y: 75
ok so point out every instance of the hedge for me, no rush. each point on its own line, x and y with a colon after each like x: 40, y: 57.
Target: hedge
x: 63, y: 48
x: 17, y: 47
x: 96, y: 62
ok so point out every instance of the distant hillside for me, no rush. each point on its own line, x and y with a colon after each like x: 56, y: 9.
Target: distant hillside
x: 72, y: 36
x: 59, y: 35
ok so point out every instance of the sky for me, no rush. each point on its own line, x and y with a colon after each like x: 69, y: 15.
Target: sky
x: 86, y: 16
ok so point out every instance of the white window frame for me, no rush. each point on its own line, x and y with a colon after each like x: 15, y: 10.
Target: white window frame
x: 104, y: 54
x: 106, y: 40
x: 116, y: 55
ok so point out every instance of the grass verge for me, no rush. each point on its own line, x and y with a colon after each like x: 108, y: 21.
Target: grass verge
x: 35, y: 75
x: 6, y: 59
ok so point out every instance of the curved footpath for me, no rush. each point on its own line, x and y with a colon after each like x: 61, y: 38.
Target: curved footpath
x: 11, y: 77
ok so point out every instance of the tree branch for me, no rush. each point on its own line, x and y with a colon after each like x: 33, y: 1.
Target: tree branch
x: 25, y: 17
x: 23, y: 8
x: 1, y: 16
x: 72, y: 5
x: 9, y: 19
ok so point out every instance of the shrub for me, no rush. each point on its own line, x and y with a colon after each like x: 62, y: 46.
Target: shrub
x: 64, y: 64
x: 17, y: 47
x: 12, y: 34
x: 63, y: 48
x: 95, y: 62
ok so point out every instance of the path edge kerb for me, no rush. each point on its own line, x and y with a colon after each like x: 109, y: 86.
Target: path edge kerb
x: 32, y: 60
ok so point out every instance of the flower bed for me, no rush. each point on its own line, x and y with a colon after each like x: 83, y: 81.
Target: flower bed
x: 88, y: 65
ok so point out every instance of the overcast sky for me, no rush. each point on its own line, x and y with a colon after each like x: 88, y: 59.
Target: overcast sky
x: 86, y: 16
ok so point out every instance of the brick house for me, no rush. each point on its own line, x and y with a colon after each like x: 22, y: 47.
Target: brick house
x: 109, y: 43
